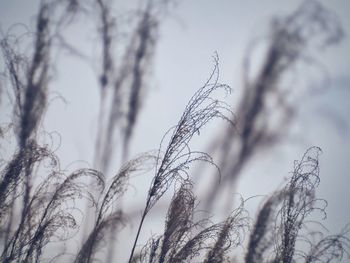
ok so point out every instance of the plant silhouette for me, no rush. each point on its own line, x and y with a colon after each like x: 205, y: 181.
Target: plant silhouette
x: 43, y: 206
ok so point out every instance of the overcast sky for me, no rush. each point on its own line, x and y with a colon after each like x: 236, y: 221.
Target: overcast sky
x: 189, y: 36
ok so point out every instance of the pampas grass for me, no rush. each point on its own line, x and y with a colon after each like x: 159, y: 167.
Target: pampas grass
x: 41, y: 203
x: 260, y: 123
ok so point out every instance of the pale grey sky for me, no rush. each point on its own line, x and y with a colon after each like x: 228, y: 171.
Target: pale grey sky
x: 189, y: 36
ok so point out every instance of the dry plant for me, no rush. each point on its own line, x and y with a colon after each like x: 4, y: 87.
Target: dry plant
x: 107, y: 219
x: 175, y: 162
x: 185, y: 240
x: 126, y: 80
x: 39, y: 201
x: 283, y: 222
x: 270, y: 99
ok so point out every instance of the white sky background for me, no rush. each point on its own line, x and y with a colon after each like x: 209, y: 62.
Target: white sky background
x: 189, y: 35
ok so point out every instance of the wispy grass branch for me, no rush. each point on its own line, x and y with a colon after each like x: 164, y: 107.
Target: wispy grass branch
x: 177, y: 157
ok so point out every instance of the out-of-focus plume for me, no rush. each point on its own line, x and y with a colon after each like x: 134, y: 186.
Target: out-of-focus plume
x: 267, y: 107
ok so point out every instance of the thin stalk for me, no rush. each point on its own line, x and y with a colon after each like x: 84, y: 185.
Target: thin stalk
x: 139, y: 230
x: 9, y: 225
